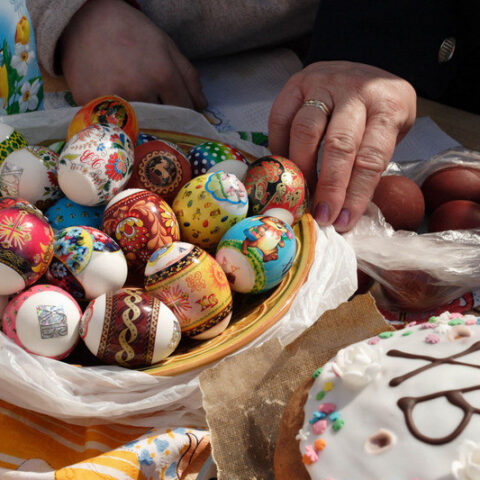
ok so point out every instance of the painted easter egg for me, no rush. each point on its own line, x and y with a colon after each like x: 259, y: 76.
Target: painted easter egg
x: 26, y: 245
x: 145, y: 137
x: 205, y: 155
x: 257, y: 253
x: 239, y: 169
x: 107, y: 110
x: 87, y: 263
x: 95, y: 164
x: 130, y: 328
x: 276, y: 187
x: 160, y: 167
x: 141, y: 222
x: 192, y: 284
x: 43, y: 320
x: 10, y: 140
x: 66, y: 213
x: 31, y: 173
x: 208, y: 205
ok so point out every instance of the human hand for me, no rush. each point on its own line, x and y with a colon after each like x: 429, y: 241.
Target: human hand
x: 371, y: 110
x: 109, y: 47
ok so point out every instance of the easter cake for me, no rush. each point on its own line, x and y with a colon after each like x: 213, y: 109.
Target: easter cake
x: 404, y: 405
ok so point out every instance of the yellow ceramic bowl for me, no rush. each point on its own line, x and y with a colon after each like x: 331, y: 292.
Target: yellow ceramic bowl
x: 252, y: 314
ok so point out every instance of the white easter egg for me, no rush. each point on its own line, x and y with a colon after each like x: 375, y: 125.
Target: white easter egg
x: 95, y: 164
x: 31, y: 173
x: 43, y: 320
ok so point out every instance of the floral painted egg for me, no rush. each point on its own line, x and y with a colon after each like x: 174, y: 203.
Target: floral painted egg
x: 87, y: 263
x: 208, y: 205
x: 276, y: 187
x: 257, y: 253
x: 130, y: 328
x: 141, y: 222
x: 205, y: 155
x: 239, y: 169
x: 31, y: 173
x: 107, y: 110
x: 43, y: 320
x: 10, y: 140
x: 145, y: 137
x: 160, y: 167
x: 95, y: 164
x: 65, y: 213
x: 189, y: 281
x: 26, y: 245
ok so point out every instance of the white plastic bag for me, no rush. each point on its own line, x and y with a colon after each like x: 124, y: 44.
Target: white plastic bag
x: 418, y: 271
x: 93, y: 395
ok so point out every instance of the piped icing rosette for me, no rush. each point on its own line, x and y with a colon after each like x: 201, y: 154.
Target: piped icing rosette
x: 404, y: 405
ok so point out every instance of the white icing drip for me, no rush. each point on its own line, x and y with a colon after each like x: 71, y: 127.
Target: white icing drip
x: 467, y: 466
x: 357, y: 365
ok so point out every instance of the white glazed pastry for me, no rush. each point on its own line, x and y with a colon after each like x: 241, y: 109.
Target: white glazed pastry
x: 401, y: 406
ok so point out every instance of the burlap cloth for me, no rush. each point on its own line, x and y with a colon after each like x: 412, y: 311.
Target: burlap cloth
x: 244, y: 396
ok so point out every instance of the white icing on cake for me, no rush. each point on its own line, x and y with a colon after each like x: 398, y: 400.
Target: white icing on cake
x: 374, y: 441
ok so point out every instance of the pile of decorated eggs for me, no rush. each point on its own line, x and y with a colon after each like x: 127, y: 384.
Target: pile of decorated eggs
x: 121, y: 204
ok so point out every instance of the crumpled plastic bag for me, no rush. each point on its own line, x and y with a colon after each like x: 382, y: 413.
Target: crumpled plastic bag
x: 418, y: 272
x: 104, y: 394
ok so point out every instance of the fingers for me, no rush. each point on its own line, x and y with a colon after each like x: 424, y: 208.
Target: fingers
x: 306, y: 132
x: 373, y: 156
x: 342, y: 142
x: 190, y: 77
x: 283, y: 112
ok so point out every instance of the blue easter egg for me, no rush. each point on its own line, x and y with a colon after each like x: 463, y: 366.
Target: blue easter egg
x: 65, y: 213
x: 256, y: 253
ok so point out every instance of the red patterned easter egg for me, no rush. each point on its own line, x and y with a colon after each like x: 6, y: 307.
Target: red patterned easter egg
x: 130, y: 328
x: 141, y: 222
x: 160, y: 167
x: 106, y: 110
x: 276, y: 187
x: 190, y: 281
x: 26, y: 245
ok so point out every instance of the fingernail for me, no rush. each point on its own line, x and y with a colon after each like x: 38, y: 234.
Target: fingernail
x: 343, y: 218
x: 322, y: 213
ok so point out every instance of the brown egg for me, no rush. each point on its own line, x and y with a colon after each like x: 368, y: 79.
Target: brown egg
x: 401, y: 202
x: 413, y: 290
x: 454, y: 183
x: 455, y: 215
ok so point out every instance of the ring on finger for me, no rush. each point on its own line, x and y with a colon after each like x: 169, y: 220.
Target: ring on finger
x: 318, y: 104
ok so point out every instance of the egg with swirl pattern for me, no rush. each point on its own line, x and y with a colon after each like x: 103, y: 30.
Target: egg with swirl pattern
x: 129, y: 328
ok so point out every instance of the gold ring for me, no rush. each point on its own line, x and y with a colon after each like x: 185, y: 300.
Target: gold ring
x: 318, y: 104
